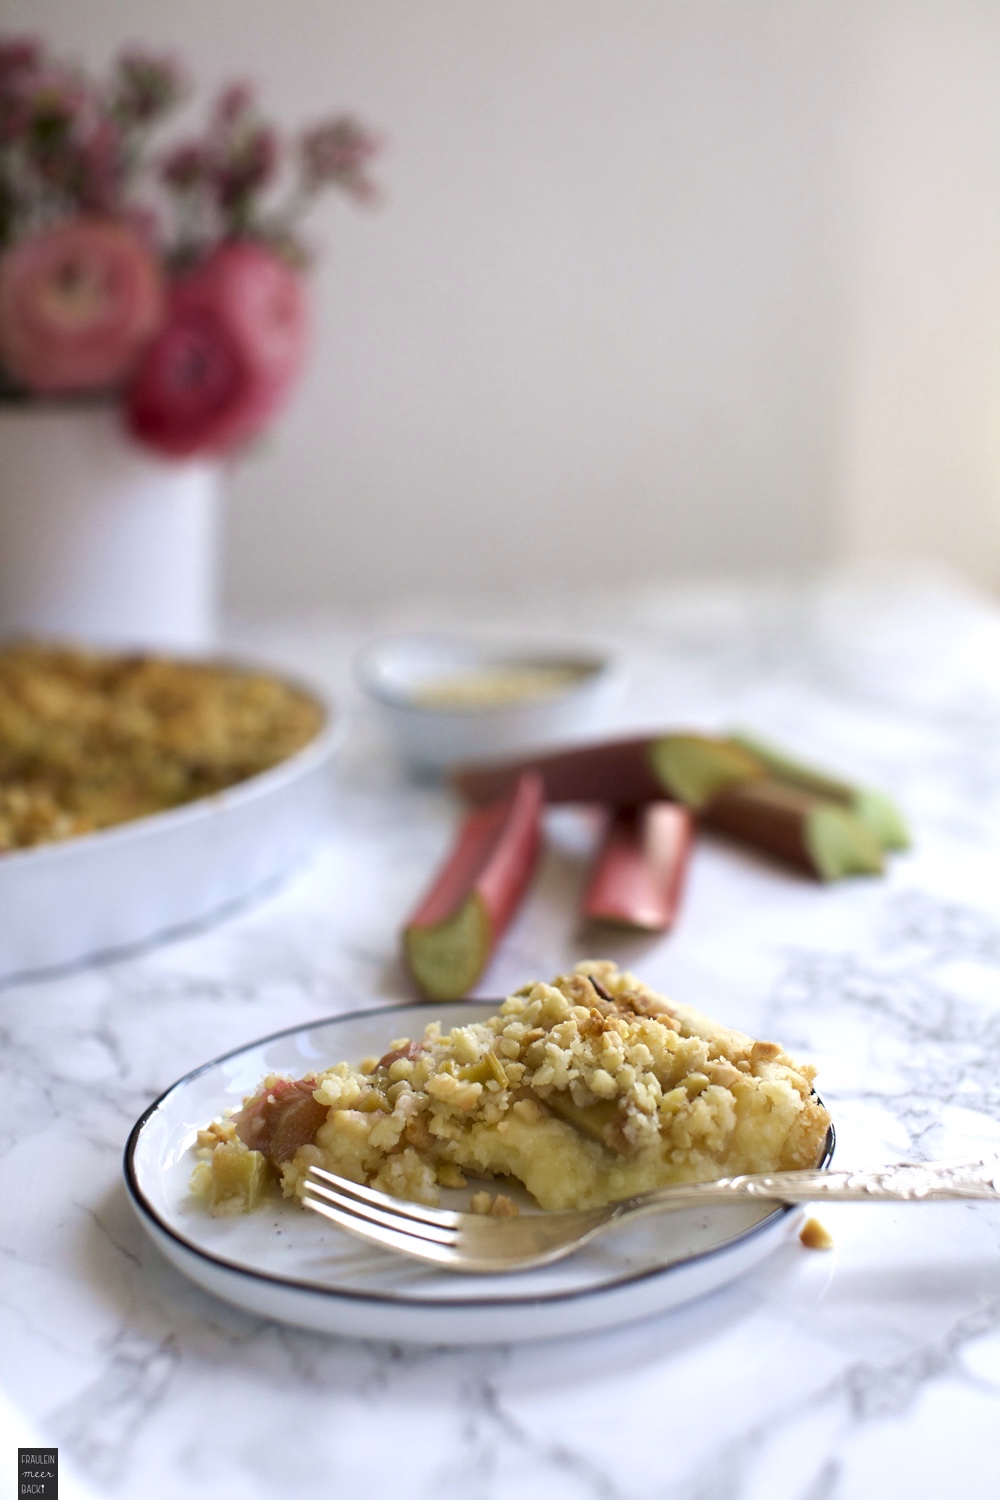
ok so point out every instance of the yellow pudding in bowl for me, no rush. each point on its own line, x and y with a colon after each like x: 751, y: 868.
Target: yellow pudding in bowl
x: 495, y: 686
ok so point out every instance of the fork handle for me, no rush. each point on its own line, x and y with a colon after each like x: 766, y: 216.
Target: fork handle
x: 899, y: 1182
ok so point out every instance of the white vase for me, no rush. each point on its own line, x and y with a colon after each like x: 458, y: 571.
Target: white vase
x: 100, y: 540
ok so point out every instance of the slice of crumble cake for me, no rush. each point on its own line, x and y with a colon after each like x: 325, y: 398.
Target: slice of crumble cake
x: 585, y: 1090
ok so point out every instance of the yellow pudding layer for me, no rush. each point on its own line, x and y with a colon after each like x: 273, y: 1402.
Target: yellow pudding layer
x: 496, y: 687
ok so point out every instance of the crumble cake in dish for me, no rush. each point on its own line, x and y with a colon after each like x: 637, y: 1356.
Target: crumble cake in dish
x: 140, y: 794
x: 92, y: 739
x: 586, y: 1090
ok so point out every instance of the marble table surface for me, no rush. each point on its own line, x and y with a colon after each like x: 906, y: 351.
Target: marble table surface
x: 870, y: 1370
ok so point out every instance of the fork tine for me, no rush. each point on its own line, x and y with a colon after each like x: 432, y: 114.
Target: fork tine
x: 419, y: 1211
x: 397, y: 1221
x: 388, y: 1239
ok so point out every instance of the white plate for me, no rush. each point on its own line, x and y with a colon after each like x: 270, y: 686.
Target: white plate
x: 94, y: 895
x: 282, y: 1262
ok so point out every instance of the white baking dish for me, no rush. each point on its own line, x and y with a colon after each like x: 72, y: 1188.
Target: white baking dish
x: 94, y: 895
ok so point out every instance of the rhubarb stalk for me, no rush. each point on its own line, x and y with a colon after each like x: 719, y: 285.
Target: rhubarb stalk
x: 688, y: 768
x: 638, y: 875
x: 877, y: 811
x: 819, y: 836
x: 450, y: 937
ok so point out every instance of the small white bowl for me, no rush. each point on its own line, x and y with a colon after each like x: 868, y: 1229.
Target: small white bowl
x: 402, y: 675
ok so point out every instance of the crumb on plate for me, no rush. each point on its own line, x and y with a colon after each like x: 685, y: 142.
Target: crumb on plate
x: 815, y: 1236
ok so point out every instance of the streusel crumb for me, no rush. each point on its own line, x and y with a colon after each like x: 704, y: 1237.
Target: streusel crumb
x: 816, y: 1236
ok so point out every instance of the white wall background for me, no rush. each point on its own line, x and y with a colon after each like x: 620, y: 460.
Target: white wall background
x: 659, y: 287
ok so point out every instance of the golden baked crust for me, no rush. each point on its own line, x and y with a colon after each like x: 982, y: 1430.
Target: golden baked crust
x: 88, y: 739
x: 586, y: 1090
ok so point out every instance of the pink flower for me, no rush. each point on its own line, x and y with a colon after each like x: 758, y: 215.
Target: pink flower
x: 338, y: 151
x: 18, y: 54
x: 227, y: 356
x: 249, y: 165
x: 186, y: 166
x: 19, y: 61
x: 145, y: 87
x: 193, y: 390
x: 234, y: 102
x: 42, y: 111
x: 77, y: 303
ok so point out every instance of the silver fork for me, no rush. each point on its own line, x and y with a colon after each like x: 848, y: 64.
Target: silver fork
x: 484, y: 1243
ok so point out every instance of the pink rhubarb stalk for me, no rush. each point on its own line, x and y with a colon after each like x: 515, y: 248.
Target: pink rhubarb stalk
x: 638, y: 875
x: 679, y: 767
x: 281, y: 1119
x: 450, y: 937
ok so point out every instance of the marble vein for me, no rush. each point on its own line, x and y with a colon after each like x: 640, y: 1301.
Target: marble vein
x: 872, y: 1371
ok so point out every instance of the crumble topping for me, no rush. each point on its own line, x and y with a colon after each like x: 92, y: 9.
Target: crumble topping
x: 89, y: 739
x: 585, y: 1090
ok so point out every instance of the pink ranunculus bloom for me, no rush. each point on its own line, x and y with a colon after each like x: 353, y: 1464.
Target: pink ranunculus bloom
x: 226, y: 357
x: 77, y: 304
x: 262, y: 298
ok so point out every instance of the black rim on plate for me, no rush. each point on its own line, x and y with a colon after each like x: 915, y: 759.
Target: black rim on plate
x: 391, y: 1299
